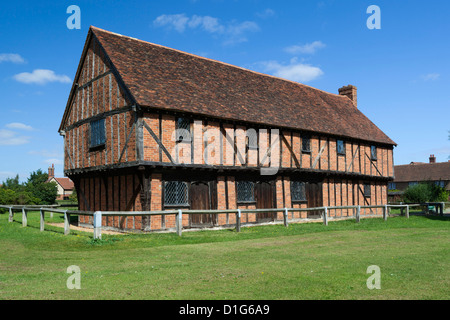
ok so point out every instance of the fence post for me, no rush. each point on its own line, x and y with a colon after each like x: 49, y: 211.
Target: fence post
x: 358, y: 213
x: 41, y: 224
x: 179, y: 222
x: 442, y: 208
x: 385, y: 212
x: 407, y: 211
x: 238, y: 220
x: 66, y: 223
x: 24, y: 218
x: 285, y: 217
x: 11, y: 215
x: 325, y: 216
x: 97, y: 225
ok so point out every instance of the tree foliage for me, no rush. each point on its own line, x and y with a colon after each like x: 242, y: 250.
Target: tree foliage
x: 35, y: 191
x: 425, y: 192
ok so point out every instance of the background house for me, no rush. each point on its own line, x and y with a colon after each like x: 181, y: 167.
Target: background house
x: 416, y: 172
x: 65, y: 185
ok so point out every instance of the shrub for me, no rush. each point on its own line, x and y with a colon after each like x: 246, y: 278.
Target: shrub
x: 425, y: 192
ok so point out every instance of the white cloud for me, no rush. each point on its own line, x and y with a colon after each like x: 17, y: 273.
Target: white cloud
x: 41, y: 76
x: 294, y: 71
x: 431, y: 77
x: 11, y: 57
x: 266, y: 13
x: 11, y: 138
x: 309, y: 48
x: 19, y: 126
x: 177, y: 21
x: 233, y: 32
x: 207, y: 23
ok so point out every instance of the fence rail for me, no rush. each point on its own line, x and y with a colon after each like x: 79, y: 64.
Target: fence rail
x: 97, y: 215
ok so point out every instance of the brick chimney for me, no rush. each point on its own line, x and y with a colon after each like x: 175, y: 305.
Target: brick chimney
x: 51, y: 172
x: 350, y: 92
x: 432, y: 159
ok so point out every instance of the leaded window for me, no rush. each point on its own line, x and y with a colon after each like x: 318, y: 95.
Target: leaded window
x: 245, y: 191
x: 306, y: 144
x: 176, y: 193
x: 373, y: 153
x: 340, y: 147
x: 298, y: 192
x: 367, y: 190
x: 252, y: 139
x: 183, y: 130
x: 98, y: 137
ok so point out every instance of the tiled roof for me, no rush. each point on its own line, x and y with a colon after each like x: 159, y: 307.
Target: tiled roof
x: 65, y: 183
x: 165, y: 78
x: 422, y: 172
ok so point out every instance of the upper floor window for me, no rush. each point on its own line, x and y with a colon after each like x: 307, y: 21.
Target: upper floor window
x: 252, y: 139
x: 98, y: 136
x: 176, y: 193
x: 298, y: 192
x: 245, y: 191
x: 413, y: 183
x: 183, y: 126
x: 373, y: 153
x: 306, y: 144
x: 341, y: 147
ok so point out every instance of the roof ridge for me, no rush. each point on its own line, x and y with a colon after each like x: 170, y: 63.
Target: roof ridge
x: 218, y: 61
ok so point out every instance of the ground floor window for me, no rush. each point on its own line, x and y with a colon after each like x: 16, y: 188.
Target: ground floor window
x: 440, y: 184
x: 176, y: 193
x: 298, y: 192
x: 367, y: 190
x: 245, y: 191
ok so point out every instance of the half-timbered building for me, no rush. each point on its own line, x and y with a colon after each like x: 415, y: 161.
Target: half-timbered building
x: 148, y: 127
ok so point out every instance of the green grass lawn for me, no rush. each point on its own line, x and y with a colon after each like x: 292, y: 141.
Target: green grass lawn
x: 303, y: 261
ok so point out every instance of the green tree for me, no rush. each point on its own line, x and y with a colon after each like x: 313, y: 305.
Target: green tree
x: 73, y: 197
x: 39, y: 188
x: 418, y: 193
x: 425, y: 192
x: 12, y: 184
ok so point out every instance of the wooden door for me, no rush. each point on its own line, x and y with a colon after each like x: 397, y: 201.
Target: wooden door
x: 264, y: 200
x: 200, y: 199
x: 314, y: 197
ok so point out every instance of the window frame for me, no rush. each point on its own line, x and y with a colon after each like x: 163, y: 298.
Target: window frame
x: 308, y: 138
x: 176, y: 205
x: 341, y: 153
x: 440, y: 183
x: 177, y: 126
x: 367, y: 190
x: 303, y: 192
x: 253, y: 200
x: 101, y: 138
x: 373, y: 153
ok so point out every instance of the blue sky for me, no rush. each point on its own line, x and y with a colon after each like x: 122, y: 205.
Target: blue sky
x: 402, y: 70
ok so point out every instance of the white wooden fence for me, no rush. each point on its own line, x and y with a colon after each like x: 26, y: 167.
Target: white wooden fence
x: 97, y: 215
